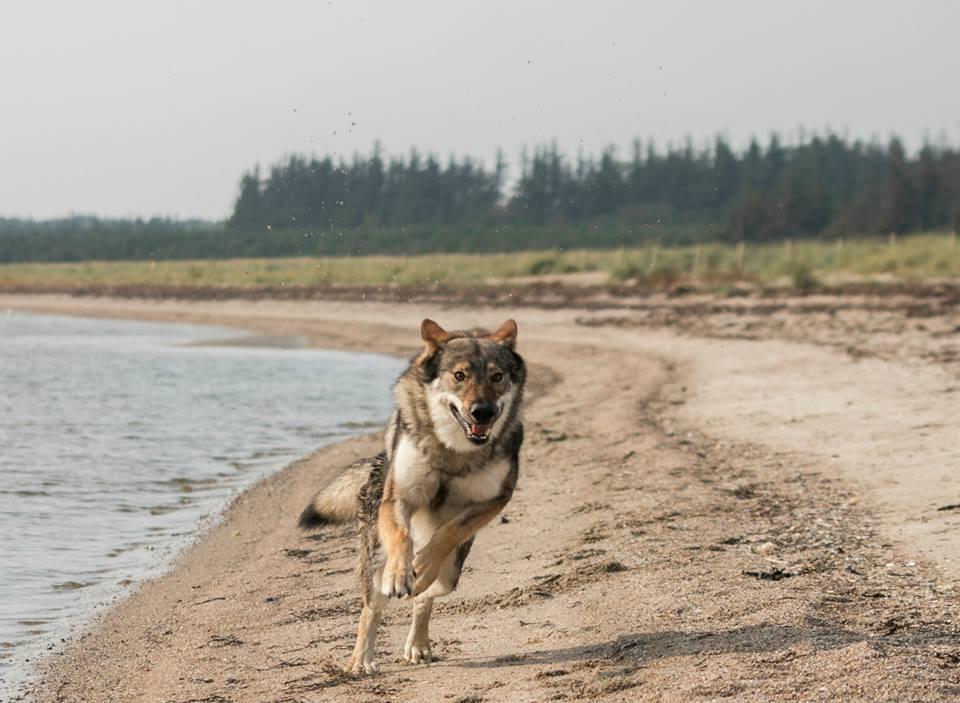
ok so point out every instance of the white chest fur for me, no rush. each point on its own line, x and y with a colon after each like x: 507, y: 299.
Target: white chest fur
x: 479, y: 486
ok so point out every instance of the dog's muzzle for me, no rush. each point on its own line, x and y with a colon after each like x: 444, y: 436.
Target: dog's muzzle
x: 484, y: 416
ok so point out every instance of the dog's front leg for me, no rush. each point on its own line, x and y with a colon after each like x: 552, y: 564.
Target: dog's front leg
x: 448, y: 537
x: 394, y: 527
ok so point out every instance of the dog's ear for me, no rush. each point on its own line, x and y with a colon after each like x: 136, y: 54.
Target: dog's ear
x: 506, y: 334
x: 434, y: 336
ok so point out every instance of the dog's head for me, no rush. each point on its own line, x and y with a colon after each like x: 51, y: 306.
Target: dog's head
x: 473, y: 381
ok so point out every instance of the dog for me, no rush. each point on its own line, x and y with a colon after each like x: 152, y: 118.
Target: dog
x: 450, y: 465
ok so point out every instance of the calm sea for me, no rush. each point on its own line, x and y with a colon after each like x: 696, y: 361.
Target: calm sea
x: 119, y: 440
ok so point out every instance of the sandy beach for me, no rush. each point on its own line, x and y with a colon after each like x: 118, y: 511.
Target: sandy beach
x: 718, y: 499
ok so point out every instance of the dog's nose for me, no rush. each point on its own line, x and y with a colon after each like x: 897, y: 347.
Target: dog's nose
x: 483, y: 412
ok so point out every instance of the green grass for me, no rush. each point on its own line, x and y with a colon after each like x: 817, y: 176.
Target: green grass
x: 803, y: 264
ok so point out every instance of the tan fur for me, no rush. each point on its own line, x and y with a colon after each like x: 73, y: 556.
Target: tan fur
x: 395, y: 537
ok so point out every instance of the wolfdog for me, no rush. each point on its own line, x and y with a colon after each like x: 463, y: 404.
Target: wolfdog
x: 450, y: 466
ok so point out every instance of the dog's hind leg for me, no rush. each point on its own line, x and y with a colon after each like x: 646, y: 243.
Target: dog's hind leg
x: 363, y: 659
x: 417, y: 648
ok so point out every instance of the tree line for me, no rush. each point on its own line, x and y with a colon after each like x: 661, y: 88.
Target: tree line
x: 823, y: 185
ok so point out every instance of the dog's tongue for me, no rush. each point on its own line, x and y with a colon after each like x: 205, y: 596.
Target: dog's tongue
x: 478, y: 429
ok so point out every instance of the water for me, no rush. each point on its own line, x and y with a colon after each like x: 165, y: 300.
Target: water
x: 119, y: 439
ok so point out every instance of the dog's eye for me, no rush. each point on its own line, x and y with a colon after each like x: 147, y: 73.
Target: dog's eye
x: 497, y: 377
x: 459, y: 375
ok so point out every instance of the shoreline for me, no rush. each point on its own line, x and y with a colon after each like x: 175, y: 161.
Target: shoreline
x: 702, y: 555
x: 164, y: 556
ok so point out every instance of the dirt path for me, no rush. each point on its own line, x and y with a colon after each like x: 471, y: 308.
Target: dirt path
x: 669, y: 540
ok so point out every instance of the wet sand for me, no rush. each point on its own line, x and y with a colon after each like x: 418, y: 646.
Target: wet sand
x: 728, y: 504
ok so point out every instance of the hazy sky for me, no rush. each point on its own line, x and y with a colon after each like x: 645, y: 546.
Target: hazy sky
x: 142, y: 108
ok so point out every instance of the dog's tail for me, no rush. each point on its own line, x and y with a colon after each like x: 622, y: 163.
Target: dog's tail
x: 338, y: 502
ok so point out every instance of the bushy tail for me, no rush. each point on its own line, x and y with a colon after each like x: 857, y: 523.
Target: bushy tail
x: 338, y: 501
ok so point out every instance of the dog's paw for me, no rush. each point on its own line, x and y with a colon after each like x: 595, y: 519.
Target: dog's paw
x: 397, y: 580
x: 359, y: 666
x: 417, y: 651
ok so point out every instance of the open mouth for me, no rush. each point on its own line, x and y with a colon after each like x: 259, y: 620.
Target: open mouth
x: 476, y: 433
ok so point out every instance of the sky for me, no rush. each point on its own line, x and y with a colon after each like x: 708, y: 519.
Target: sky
x: 140, y: 108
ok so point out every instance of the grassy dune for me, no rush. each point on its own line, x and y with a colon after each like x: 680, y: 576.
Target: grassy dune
x: 804, y: 264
